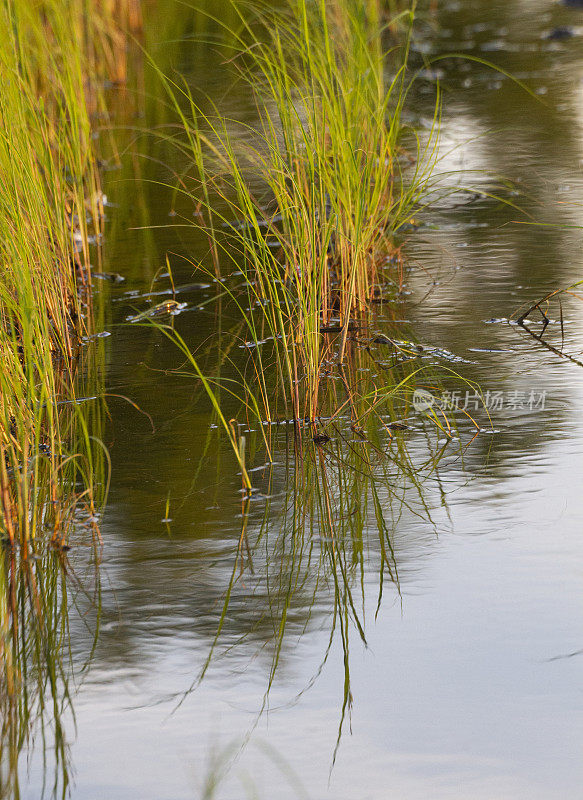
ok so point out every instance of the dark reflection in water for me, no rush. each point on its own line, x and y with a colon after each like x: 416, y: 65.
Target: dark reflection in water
x: 448, y: 677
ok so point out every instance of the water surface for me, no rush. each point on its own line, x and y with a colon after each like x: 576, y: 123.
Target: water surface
x: 469, y: 685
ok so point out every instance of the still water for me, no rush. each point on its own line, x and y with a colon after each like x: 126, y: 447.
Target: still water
x: 469, y: 684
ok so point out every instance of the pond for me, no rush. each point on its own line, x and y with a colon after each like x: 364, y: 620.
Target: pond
x: 459, y: 674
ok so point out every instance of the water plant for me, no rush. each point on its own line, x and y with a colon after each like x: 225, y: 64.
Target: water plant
x: 50, y: 211
x: 308, y: 207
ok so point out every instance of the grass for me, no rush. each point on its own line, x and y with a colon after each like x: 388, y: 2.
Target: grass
x: 53, y: 57
x: 302, y: 215
x: 309, y: 208
x: 52, y: 466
